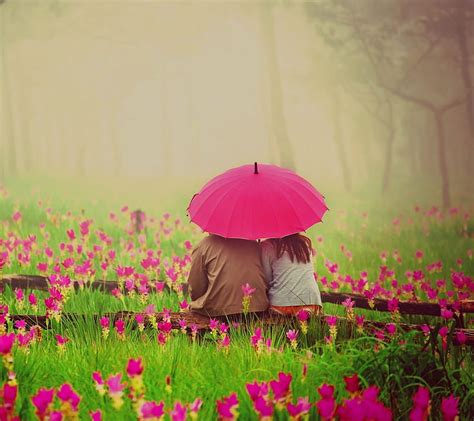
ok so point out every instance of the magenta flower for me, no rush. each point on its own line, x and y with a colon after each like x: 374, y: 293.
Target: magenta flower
x: 443, y: 332
x: 120, y: 327
x: 281, y: 387
x: 302, y: 407
x: 61, y: 340
x: 256, y: 389
x: 264, y: 408
x: 10, y: 394
x: 292, y: 335
x: 152, y: 410
x: 67, y: 395
x: 104, y: 322
x: 42, y: 401
x: 195, y: 406
x: 421, y: 403
x: 6, y: 343
x: 134, y: 367
x: 20, y: 324
x: 32, y: 299
x: 55, y: 416
x: 19, y: 294
x: 449, y: 408
x: 227, y: 407
x: 179, y: 412
x: 97, y: 377
x: 247, y: 290
x: 391, y: 328
x: 96, y: 415
x: 352, y: 383
x: 461, y: 337
x: 303, y: 315
x: 331, y: 320
x: 114, y: 384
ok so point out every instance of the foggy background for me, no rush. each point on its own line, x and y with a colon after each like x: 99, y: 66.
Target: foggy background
x: 360, y: 95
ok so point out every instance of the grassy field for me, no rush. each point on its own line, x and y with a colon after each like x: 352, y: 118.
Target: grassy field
x: 386, y: 248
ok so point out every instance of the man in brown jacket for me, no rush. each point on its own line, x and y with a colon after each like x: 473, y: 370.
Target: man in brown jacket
x: 219, y: 268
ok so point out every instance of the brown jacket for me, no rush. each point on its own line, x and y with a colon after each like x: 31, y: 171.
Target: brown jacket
x: 219, y: 268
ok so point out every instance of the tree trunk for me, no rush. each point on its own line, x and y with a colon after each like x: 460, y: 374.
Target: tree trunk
x: 442, y: 159
x: 466, y: 77
x: 338, y: 140
x: 278, y: 122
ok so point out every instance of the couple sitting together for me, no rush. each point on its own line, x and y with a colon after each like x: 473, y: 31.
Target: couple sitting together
x: 280, y: 270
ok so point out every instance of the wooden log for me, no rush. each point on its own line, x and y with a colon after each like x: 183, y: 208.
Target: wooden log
x: 426, y: 309
x: 202, y: 322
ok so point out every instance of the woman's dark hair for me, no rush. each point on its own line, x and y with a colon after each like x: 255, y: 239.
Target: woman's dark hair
x: 298, y: 246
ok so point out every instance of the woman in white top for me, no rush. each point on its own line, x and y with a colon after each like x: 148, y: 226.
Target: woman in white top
x: 288, y: 267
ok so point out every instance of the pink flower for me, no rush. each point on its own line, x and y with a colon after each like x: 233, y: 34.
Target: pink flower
x: 195, y: 406
x: 227, y: 407
x: 302, y: 407
x: 20, y: 324
x: 114, y: 384
x: 331, y: 320
x: 6, y: 343
x: 10, y: 394
x: 19, y: 294
x: 96, y: 415
x: 42, y: 401
x: 446, y: 314
x: 391, y: 328
x: 97, y: 377
x: 264, y: 408
x: 55, y: 416
x: 17, y: 216
x: 247, y: 290
x: 392, y: 305
x: 134, y: 367
x: 104, y: 322
x: 292, y: 335
x: 449, y: 408
x: 281, y: 387
x: 443, y: 332
x: 178, y: 412
x: 461, y: 337
x: 303, y: 315
x: 352, y: 383
x: 421, y: 403
x: 152, y: 410
x: 256, y: 389
x: 32, y: 299
x: 67, y: 394
x: 61, y: 340
x: 120, y: 326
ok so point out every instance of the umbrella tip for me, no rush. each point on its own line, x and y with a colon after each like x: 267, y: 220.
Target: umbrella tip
x: 255, y: 168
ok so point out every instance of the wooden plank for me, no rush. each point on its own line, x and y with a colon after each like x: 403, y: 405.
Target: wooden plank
x: 202, y: 322
x: 426, y: 309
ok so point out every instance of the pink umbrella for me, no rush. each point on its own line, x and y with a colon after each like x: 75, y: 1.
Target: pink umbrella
x: 257, y: 201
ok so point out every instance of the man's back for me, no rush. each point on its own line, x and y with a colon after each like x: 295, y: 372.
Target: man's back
x: 220, y: 266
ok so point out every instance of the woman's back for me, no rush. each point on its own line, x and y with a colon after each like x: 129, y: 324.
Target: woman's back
x: 291, y: 283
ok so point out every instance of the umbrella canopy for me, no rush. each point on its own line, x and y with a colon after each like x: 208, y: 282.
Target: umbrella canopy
x: 257, y: 201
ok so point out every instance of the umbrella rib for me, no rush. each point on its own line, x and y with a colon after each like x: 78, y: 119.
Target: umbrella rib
x: 204, y: 190
x: 305, y: 201
x: 217, y: 204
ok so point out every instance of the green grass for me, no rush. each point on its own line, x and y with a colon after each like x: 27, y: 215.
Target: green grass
x: 200, y: 369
